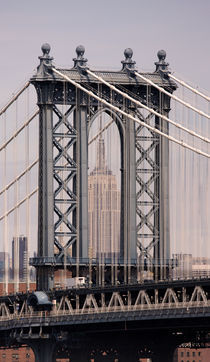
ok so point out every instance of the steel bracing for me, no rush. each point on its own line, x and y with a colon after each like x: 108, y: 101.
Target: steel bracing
x: 144, y: 204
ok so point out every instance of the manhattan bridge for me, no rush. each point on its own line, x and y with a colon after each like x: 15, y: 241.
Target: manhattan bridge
x: 105, y: 174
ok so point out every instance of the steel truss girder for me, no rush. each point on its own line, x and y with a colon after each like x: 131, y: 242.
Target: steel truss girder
x: 73, y: 302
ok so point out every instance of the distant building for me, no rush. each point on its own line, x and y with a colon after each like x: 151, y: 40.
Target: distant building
x: 23, y: 287
x: 19, y: 257
x: 182, y: 266
x: 4, y: 261
x: 185, y: 266
x: 192, y: 355
x: 200, y: 267
x: 23, y: 354
x: 103, y: 208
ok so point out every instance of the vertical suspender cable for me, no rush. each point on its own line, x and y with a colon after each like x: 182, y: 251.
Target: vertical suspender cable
x: 182, y: 199
x: 27, y: 193
x: 6, y: 260
x: 16, y: 212
x: 189, y: 87
x: 181, y: 143
x: 90, y: 200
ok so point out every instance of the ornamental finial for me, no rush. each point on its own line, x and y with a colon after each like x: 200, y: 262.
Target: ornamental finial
x: 44, y: 68
x: 80, y: 60
x: 161, y: 64
x: 45, y: 49
x: 128, y: 63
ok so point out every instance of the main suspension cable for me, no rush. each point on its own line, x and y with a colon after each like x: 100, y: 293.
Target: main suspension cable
x: 26, y: 85
x: 193, y: 133
x: 181, y: 143
x: 37, y: 160
x: 189, y: 87
x: 19, y: 130
x: 17, y: 178
x: 188, y: 105
x: 18, y: 204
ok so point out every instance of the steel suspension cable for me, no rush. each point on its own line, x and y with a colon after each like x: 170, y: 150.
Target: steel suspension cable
x: 155, y: 130
x: 188, y: 105
x: 193, y: 133
x: 19, y: 130
x: 189, y: 87
x: 26, y: 85
x: 19, y: 176
x: 5, y: 188
x: 19, y: 203
x: 100, y: 132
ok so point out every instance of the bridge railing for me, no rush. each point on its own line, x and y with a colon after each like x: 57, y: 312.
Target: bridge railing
x: 56, y: 315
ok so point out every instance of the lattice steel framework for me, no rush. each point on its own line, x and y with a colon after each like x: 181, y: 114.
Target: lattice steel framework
x: 65, y: 115
x: 152, y: 197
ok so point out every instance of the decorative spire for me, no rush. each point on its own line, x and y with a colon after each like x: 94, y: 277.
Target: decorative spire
x: 100, y: 161
x: 45, y: 62
x: 128, y: 63
x: 80, y: 61
x: 101, y: 166
x: 161, y: 64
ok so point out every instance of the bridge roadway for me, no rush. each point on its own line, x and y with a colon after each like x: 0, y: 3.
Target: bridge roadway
x: 125, y: 321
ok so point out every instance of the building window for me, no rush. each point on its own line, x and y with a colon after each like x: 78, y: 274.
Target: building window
x: 15, y: 356
x: 182, y: 354
x: 188, y: 354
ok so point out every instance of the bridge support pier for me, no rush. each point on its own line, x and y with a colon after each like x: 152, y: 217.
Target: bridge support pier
x: 44, y: 350
x: 79, y: 356
x: 128, y: 355
x: 164, y: 352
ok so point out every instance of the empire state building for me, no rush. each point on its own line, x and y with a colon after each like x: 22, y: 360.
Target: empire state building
x: 103, y: 208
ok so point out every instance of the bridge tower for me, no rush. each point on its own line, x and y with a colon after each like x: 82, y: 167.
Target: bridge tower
x: 66, y: 114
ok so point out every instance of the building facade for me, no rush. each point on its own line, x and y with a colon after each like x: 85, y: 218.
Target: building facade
x: 4, y: 263
x: 103, y: 208
x: 19, y: 258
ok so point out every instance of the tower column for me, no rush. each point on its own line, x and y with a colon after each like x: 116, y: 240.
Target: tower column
x: 80, y: 119
x: 44, y: 85
x: 44, y: 350
x: 162, y: 220
x: 46, y: 197
x: 162, y: 249
x: 129, y: 193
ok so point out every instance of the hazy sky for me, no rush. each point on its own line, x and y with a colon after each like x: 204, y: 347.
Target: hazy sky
x: 105, y: 28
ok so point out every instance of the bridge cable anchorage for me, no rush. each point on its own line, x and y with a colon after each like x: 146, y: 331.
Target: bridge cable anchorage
x: 188, y: 105
x: 19, y: 130
x: 155, y: 130
x: 189, y: 87
x: 26, y: 85
x: 178, y: 125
